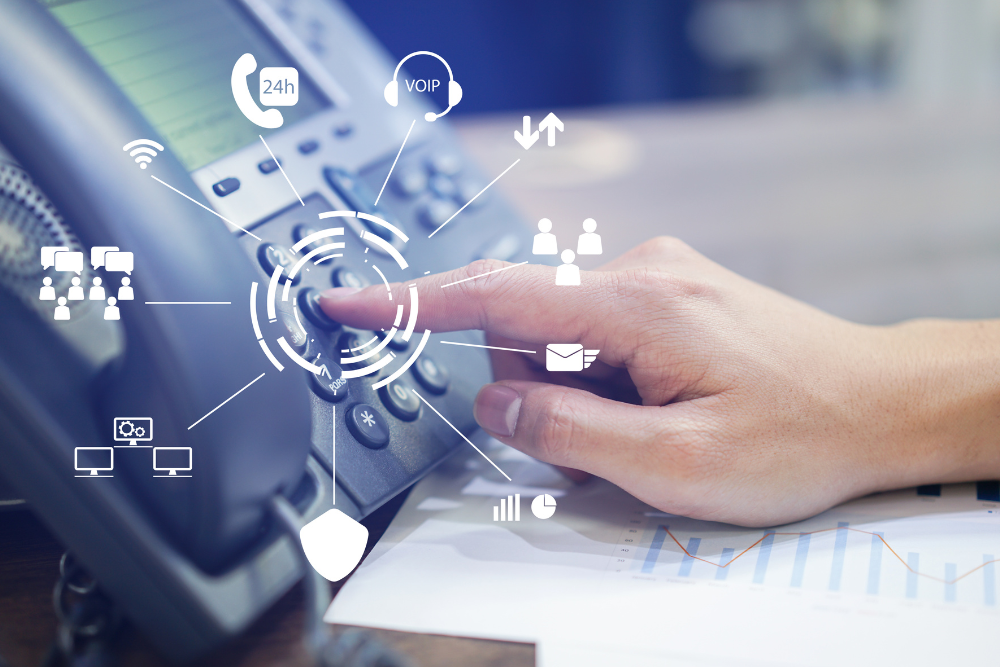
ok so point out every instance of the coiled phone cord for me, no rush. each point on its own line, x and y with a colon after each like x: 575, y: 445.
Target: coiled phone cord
x: 353, y: 648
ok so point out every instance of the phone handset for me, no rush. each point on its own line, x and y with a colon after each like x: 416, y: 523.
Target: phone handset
x: 243, y: 68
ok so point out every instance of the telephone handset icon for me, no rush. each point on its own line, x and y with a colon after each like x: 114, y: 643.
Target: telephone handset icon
x: 243, y: 68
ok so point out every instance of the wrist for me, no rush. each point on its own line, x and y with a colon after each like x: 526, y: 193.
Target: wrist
x: 943, y: 402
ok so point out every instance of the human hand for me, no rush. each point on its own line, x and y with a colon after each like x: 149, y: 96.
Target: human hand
x: 715, y: 397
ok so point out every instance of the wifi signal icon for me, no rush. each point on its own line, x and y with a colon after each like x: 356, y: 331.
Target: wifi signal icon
x: 142, y: 150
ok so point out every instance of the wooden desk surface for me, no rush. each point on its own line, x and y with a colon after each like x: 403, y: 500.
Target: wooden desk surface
x: 29, y: 566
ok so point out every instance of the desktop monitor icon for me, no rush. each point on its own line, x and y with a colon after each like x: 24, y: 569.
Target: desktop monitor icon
x: 133, y: 430
x: 94, y: 459
x: 172, y: 459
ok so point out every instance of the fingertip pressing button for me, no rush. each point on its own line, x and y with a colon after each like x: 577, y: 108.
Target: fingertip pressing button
x: 368, y: 425
x: 308, y: 301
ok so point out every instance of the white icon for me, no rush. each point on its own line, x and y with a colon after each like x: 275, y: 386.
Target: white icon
x: 545, y: 241
x: 589, y: 242
x: 75, y: 291
x: 97, y: 254
x: 527, y: 138
x: 118, y: 261
x: 95, y: 459
x: 509, y: 510
x: 62, y: 310
x: 48, y: 255
x: 171, y: 459
x: 568, y: 357
x: 133, y: 430
x: 111, y: 311
x: 367, y: 418
x: 143, y: 150
x: 125, y: 292
x: 568, y: 273
x: 391, y: 92
x: 279, y: 86
x: 551, y: 123
x: 69, y: 261
x: 47, y: 292
x: 97, y: 292
x: 543, y: 506
x: 244, y: 67
x: 334, y: 544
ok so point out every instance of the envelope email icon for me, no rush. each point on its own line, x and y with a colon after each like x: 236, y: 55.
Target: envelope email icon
x: 568, y: 357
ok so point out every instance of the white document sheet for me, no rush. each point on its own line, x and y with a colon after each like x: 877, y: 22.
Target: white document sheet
x: 895, y: 578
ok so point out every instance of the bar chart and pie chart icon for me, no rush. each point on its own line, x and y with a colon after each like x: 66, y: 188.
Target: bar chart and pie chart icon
x: 543, y: 506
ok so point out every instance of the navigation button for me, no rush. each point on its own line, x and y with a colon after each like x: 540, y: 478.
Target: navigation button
x: 433, y: 376
x: 268, y: 166
x: 400, y: 400
x: 270, y: 256
x: 307, y: 147
x: 226, y: 186
x: 410, y: 182
x: 447, y: 164
x: 328, y: 385
x: 308, y: 301
x: 436, y: 212
x: 368, y: 425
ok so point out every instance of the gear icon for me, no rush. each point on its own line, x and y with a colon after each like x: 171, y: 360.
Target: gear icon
x: 138, y: 432
x: 131, y: 429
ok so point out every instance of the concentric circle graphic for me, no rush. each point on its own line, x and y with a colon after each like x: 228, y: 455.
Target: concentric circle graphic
x: 323, y: 246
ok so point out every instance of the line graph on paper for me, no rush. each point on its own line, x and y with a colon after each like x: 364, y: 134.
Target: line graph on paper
x: 940, y: 547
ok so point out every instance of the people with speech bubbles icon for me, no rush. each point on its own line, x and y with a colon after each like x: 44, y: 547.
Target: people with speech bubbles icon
x: 75, y: 291
x: 62, y: 310
x: 47, y: 292
x: 125, y: 291
x: 97, y: 292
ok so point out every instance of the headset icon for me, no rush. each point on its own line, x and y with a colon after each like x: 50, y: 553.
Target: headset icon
x: 391, y: 91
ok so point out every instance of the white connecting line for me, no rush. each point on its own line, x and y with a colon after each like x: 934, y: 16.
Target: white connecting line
x: 488, y: 347
x: 463, y: 280
x: 473, y: 199
x: 189, y: 303
x: 227, y: 400
x: 282, y: 170
x: 206, y: 208
x: 461, y: 434
x: 395, y: 161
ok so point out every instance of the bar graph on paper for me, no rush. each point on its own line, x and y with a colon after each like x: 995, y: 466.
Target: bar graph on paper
x: 931, y: 544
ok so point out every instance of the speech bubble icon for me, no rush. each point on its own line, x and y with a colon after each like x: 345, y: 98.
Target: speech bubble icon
x: 118, y: 261
x: 48, y: 254
x: 97, y: 254
x: 69, y: 261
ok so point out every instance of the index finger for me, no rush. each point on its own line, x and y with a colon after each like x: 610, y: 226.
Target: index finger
x: 521, y: 302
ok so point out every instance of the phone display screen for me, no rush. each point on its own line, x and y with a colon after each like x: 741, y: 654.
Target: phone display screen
x: 174, y: 61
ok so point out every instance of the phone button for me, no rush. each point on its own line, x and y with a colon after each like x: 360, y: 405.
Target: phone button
x: 432, y: 375
x: 397, y: 343
x: 410, y: 182
x: 368, y: 425
x: 436, y: 212
x: 307, y: 147
x: 329, y: 385
x: 308, y: 300
x: 226, y: 186
x: 344, y: 277
x: 270, y: 256
x: 268, y: 166
x: 447, y: 164
x: 400, y: 401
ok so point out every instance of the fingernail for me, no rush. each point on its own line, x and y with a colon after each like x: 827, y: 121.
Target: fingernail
x: 496, y: 410
x: 339, y: 292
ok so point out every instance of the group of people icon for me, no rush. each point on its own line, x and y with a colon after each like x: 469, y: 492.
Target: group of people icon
x: 97, y: 293
x: 589, y: 243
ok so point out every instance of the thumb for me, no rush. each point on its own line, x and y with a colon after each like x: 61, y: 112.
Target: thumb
x: 570, y: 427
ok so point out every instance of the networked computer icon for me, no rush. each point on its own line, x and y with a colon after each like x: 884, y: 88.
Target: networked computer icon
x: 95, y: 460
x: 133, y: 430
x: 172, y: 459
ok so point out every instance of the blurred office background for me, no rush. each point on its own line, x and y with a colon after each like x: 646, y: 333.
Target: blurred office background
x: 844, y: 151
